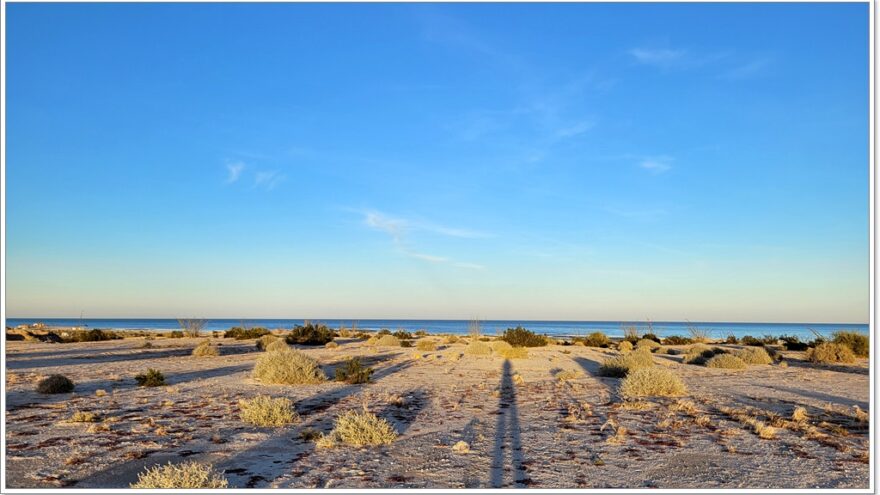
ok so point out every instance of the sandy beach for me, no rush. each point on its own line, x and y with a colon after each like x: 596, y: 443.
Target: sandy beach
x: 523, y: 426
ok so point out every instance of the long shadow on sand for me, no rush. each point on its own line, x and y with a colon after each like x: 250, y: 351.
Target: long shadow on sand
x: 834, y: 399
x: 507, y: 436
x: 839, y: 368
x: 14, y: 364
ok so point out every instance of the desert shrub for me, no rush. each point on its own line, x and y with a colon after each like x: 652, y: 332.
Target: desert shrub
x: 793, y: 343
x: 698, y: 354
x: 856, y: 341
x: 55, y: 384
x: 388, y: 341
x: 421, y: 333
x: 500, y: 345
x: 452, y: 339
x: 651, y: 382
x: 565, y: 375
x: 277, y: 345
x: 829, y: 353
x: 619, y: 366
x: 83, y: 417
x: 151, y: 378
x: 426, y: 345
x: 263, y: 410
x: 353, y: 372
x: 520, y: 337
x: 595, y: 339
x: 647, y: 344
x: 753, y: 355
x: 726, y: 361
x: 287, y: 367
x: 651, y: 336
x: 631, y: 334
x: 384, y: 331
x: 93, y: 335
x: 187, y: 474
x: 731, y: 339
x: 749, y: 340
x: 264, y: 341
x: 698, y: 335
x: 478, y: 348
x: 310, y: 334
x: 512, y: 352
x: 677, y: 340
x: 403, y: 335
x: 331, y: 345
x: 625, y: 346
x: 176, y: 334
x: 406, y: 343
x: 239, y: 333
x: 205, y: 349
x: 359, y: 429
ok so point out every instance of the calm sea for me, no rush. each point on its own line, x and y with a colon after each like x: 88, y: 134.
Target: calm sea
x: 488, y: 327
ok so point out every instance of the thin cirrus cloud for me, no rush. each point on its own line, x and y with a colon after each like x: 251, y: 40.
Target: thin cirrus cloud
x: 233, y: 171
x: 657, y: 165
x: 398, y: 228
x: 268, y: 179
x: 658, y: 57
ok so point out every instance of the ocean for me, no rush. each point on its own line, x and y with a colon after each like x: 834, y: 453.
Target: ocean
x: 488, y: 327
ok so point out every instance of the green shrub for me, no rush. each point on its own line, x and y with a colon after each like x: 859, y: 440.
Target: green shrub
x: 93, y: 335
x: 595, y: 339
x: 188, y: 474
x: 749, y: 340
x: 264, y: 341
x: 677, y: 340
x: 478, y: 348
x: 310, y: 334
x: 55, y: 384
x: 625, y: 346
x: 403, y: 335
x: 239, y: 333
x: 263, y: 410
x: 287, y: 367
x: 651, y: 382
x: 830, y: 353
x: 726, y: 361
x: 205, y: 349
x: 856, y: 341
x: 753, y: 355
x: 619, y: 366
x: 426, y: 345
x: 520, y: 337
x: 152, y: 378
x: 647, y: 344
x: 353, y: 372
x: 359, y: 429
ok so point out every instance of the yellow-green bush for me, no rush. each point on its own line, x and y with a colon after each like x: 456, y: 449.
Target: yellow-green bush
x: 358, y: 429
x: 512, y: 352
x: 830, y: 353
x: 647, y: 343
x: 753, y: 355
x: 205, y: 349
x: 499, y: 345
x: 385, y: 341
x: 651, y: 382
x: 619, y: 366
x: 263, y: 410
x: 277, y: 345
x: 625, y: 346
x: 83, y: 417
x: 426, y: 345
x: 726, y: 361
x: 287, y: 367
x: 478, y: 348
x: 856, y: 341
x: 698, y: 354
x: 331, y: 345
x: 264, y: 341
x: 185, y: 475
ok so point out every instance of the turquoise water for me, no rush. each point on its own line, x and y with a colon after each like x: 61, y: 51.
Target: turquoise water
x: 488, y: 327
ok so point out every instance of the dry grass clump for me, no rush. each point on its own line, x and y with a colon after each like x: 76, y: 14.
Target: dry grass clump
x: 518, y: 379
x: 764, y: 431
x: 263, y: 410
x: 698, y: 354
x: 566, y: 375
x: 754, y: 355
x: 426, y: 345
x: 652, y: 382
x: 358, y: 429
x: 83, y: 417
x: 461, y: 447
x: 500, y: 345
x: 205, y: 349
x: 647, y: 343
x: 331, y: 345
x: 264, y: 341
x: 799, y: 414
x: 620, y: 366
x: 151, y: 378
x: 184, y: 475
x: 55, y: 384
x: 452, y: 339
x: 478, y: 348
x: 829, y: 353
x: 513, y: 353
x: 625, y: 346
x: 277, y: 345
x: 287, y: 367
x: 726, y: 361
x: 385, y: 341
x: 100, y: 392
x: 856, y: 341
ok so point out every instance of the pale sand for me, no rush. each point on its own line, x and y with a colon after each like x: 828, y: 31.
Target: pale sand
x: 520, y: 435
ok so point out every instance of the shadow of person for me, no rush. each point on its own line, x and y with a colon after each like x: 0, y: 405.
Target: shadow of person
x: 507, y: 435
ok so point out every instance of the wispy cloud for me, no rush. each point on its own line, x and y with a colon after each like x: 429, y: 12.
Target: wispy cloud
x: 748, y: 69
x: 233, y: 171
x: 658, y: 57
x: 268, y: 179
x: 656, y: 165
x: 398, y: 228
x: 638, y: 214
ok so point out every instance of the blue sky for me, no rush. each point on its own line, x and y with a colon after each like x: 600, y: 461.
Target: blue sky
x: 606, y: 162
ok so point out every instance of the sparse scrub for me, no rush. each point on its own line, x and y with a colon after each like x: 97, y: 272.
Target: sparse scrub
x: 677, y: 340
x: 331, y: 345
x: 287, y: 367
x: 187, y: 474
x: 406, y: 343
x: 652, y: 382
x: 726, y: 361
x: 152, y: 378
x: 698, y: 335
x: 358, y: 429
x: 426, y: 345
x: 264, y: 341
x: 698, y: 354
x: 513, y: 353
x: 830, y: 353
x: 520, y: 337
x: 620, y: 366
x: 478, y: 348
x: 353, y: 372
x: 310, y: 334
x: 277, y: 345
x: 753, y: 355
x: 856, y: 341
x: 403, y: 335
x: 100, y: 392
x: 55, y: 384
x: 749, y: 340
x: 625, y: 346
x: 205, y: 349
x: 239, y: 333
x: 388, y: 341
x: 83, y: 417
x: 647, y: 344
x: 595, y: 339
x: 631, y: 334
x: 566, y: 375
x: 452, y: 339
x: 799, y: 414
x: 793, y: 343
x: 500, y: 345
x: 93, y: 335
x: 263, y: 410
